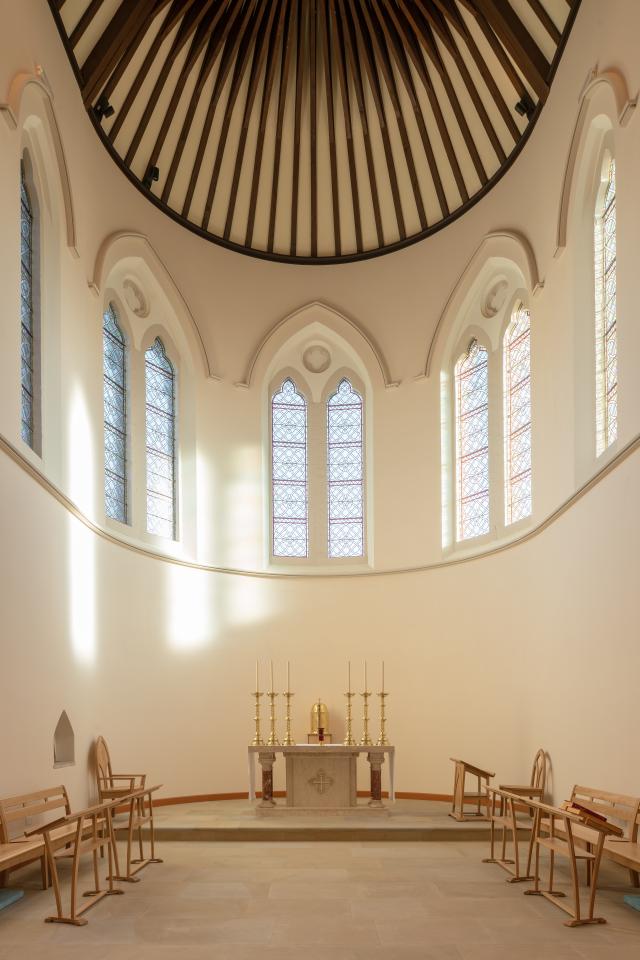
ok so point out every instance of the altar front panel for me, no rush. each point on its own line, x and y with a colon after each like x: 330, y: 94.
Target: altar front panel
x: 319, y: 780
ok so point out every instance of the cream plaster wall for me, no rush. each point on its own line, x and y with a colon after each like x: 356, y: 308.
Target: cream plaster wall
x: 484, y: 658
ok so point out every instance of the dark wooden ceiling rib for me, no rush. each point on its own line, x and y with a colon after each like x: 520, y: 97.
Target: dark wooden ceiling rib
x: 244, y: 59
x: 519, y: 43
x: 217, y: 38
x: 297, y: 124
x: 226, y: 62
x: 325, y: 41
x: 546, y: 20
x: 273, y: 53
x: 341, y: 60
x: 399, y: 55
x: 259, y: 54
x: 285, y: 64
x: 244, y: 52
x: 452, y: 13
x: 356, y: 74
x: 111, y: 45
x: 381, y: 54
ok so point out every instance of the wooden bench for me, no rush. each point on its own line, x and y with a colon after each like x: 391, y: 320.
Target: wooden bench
x: 619, y: 808
x: 14, y: 815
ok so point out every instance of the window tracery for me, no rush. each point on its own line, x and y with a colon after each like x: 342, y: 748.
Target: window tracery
x: 160, y: 441
x: 115, y: 417
x: 472, y: 442
x: 516, y: 351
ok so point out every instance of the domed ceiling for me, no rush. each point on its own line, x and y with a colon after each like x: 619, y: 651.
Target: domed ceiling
x: 314, y: 130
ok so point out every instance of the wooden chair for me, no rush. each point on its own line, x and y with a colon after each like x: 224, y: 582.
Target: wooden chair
x: 567, y: 847
x: 118, y: 786
x: 461, y: 797
x: 503, y: 815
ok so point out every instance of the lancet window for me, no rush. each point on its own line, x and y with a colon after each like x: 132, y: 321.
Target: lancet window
x: 516, y: 351
x: 289, y: 481
x: 27, y: 320
x: 345, y: 472
x: 606, y: 314
x: 115, y: 417
x: 472, y: 442
x: 160, y: 441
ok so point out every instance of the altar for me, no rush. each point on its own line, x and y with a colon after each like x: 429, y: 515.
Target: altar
x: 320, y: 777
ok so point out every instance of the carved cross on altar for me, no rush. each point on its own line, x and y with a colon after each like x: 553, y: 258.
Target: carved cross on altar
x: 321, y: 782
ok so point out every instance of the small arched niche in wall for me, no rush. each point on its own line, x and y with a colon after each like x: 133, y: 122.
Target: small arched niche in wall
x: 63, y: 742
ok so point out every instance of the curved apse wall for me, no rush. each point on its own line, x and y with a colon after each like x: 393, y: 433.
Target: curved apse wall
x: 128, y: 641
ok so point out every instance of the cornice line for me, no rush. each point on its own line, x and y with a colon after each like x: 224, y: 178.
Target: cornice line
x: 31, y: 470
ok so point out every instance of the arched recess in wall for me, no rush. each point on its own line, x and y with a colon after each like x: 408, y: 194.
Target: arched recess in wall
x: 605, y: 104
x: 334, y: 323
x: 29, y: 106
x: 502, y: 263
x: 63, y: 742
x: 128, y: 262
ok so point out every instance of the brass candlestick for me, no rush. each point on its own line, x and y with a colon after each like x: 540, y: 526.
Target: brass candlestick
x: 288, y: 739
x: 348, y: 740
x: 365, y: 740
x: 382, y: 739
x: 257, y: 739
x: 273, y: 740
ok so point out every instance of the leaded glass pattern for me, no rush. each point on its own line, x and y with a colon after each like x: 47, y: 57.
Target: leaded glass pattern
x: 516, y: 350
x: 345, y: 472
x: 606, y: 315
x: 472, y: 442
x: 160, y: 440
x: 289, y: 487
x: 27, y: 377
x: 115, y: 417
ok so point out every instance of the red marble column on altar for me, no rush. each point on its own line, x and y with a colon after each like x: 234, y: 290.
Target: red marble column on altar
x: 375, y: 761
x: 266, y: 761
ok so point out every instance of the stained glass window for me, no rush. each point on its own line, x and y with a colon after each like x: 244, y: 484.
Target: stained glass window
x: 115, y: 417
x: 289, y: 472
x: 345, y: 472
x: 605, y: 302
x: 160, y: 432
x: 516, y: 351
x: 26, y: 313
x: 472, y: 442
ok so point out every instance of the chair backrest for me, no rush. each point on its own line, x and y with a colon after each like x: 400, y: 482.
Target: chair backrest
x: 15, y: 811
x: 614, y: 806
x: 539, y: 771
x: 104, y: 771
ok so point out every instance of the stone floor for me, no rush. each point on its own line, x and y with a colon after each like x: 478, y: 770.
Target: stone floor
x: 237, y: 820
x: 321, y: 901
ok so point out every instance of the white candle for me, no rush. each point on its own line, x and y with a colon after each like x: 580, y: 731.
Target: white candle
x: 257, y: 687
x: 383, y: 676
x: 365, y: 676
x: 272, y: 676
x: 288, y: 678
x: 349, y: 674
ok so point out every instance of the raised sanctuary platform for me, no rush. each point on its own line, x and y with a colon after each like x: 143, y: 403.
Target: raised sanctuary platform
x: 235, y: 820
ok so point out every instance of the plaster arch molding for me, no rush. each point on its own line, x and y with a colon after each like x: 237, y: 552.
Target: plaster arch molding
x: 29, y: 108
x: 319, y: 323
x: 503, y: 263
x: 128, y: 263
x: 605, y: 103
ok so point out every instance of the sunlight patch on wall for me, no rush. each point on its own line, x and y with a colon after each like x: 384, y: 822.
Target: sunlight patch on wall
x: 82, y: 591
x: 248, y: 600
x: 190, y: 608
x: 81, y: 453
x: 244, y: 504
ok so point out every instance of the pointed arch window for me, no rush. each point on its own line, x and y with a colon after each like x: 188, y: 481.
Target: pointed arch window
x: 345, y: 472
x: 606, y: 314
x: 289, y: 483
x: 472, y: 442
x: 160, y: 441
x: 516, y: 351
x: 27, y: 316
x: 115, y: 417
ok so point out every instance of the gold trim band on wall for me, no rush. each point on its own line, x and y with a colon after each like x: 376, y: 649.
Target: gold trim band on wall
x: 14, y: 454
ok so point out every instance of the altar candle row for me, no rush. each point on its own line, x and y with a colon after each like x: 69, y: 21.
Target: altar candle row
x: 289, y: 676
